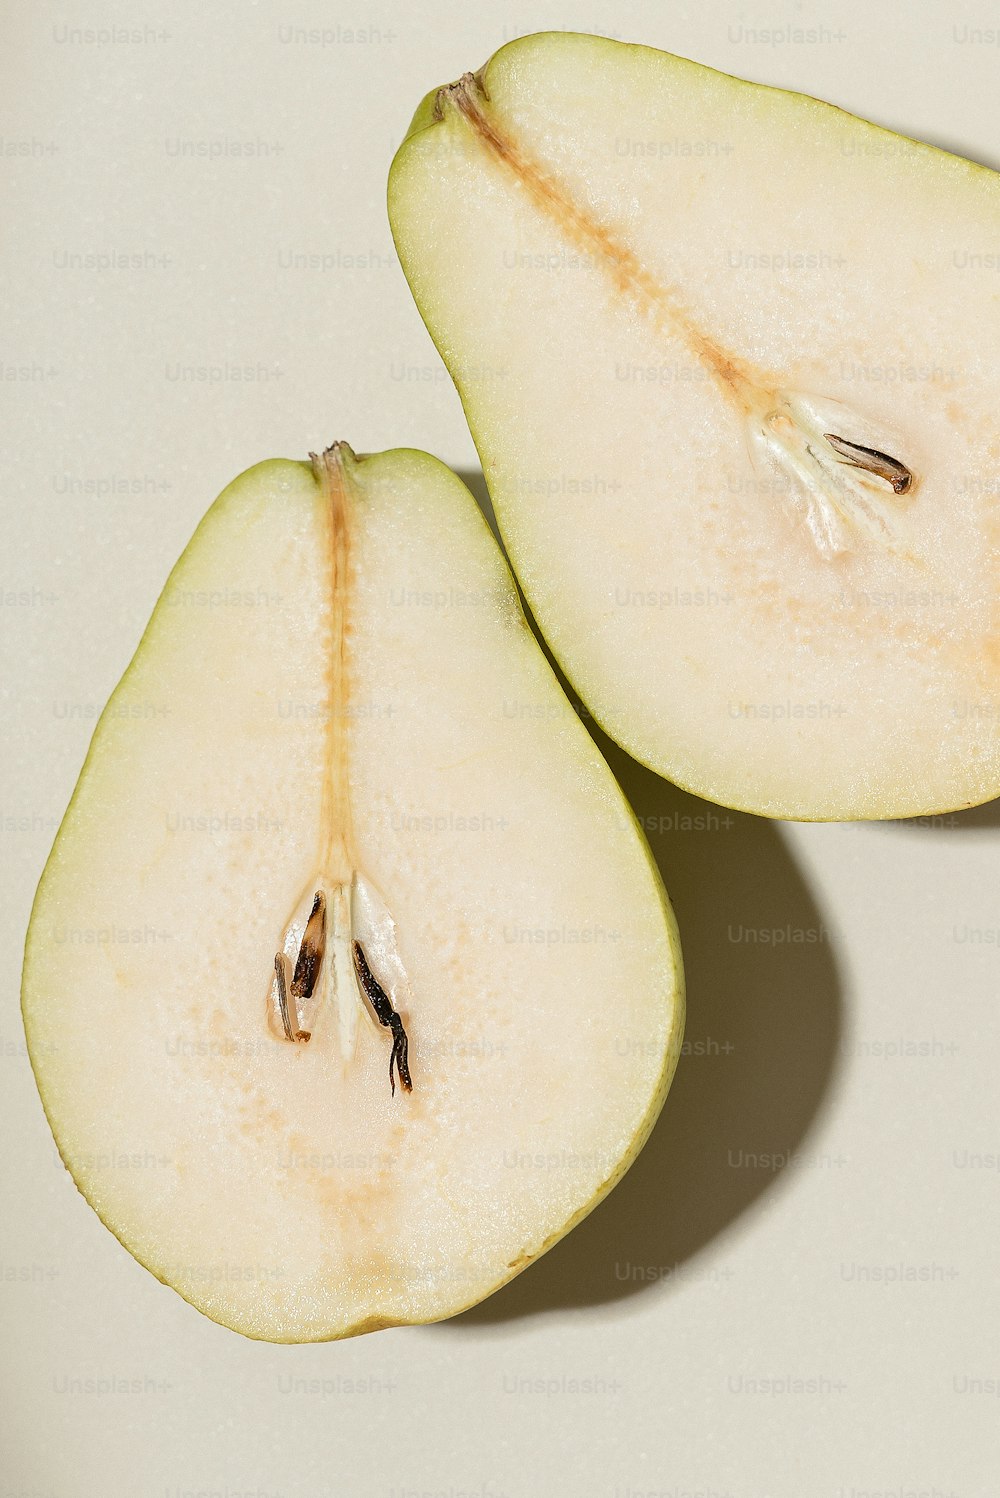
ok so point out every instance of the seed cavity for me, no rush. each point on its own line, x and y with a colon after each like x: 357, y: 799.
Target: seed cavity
x: 307, y: 969
x: 386, y: 1015
x: 869, y: 458
x: 844, y: 490
x: 323, y: 983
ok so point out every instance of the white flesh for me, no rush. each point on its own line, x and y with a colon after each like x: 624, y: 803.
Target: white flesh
x: 659, y: 289
x: 338, y: 692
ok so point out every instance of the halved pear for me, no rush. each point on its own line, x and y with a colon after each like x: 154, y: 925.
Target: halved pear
x: 730, y: 359
x: 350, y: 984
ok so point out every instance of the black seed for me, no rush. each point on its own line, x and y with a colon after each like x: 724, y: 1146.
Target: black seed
x: 386, y: 1015
x: 873, y: 461
x: 311, y: 950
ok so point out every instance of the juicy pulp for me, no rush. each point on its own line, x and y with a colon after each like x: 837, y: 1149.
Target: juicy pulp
x: 729, y: 357
x: 338, y: 695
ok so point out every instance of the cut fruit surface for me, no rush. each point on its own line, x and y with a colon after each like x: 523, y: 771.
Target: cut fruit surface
x: 350, y: 984
x: 729, y: 356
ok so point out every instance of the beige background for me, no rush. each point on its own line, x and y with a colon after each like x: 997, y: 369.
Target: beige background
x: 820, y: 1204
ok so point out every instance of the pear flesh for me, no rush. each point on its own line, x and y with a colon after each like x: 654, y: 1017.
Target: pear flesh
x: 350, y: 985
x: 729, y: 356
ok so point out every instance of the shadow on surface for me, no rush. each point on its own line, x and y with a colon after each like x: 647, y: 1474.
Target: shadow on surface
x: 475, y: 482
x: 761, y: 1042
x: 975, y: 819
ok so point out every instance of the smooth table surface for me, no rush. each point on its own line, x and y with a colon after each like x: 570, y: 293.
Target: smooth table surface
x: 795, y: 1292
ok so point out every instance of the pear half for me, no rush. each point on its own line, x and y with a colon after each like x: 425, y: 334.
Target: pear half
x: 350, y: 985
x: 730, y: 359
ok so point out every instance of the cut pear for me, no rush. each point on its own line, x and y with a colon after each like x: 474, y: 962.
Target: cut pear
x: 729, y: 356
x: 350, y: 984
